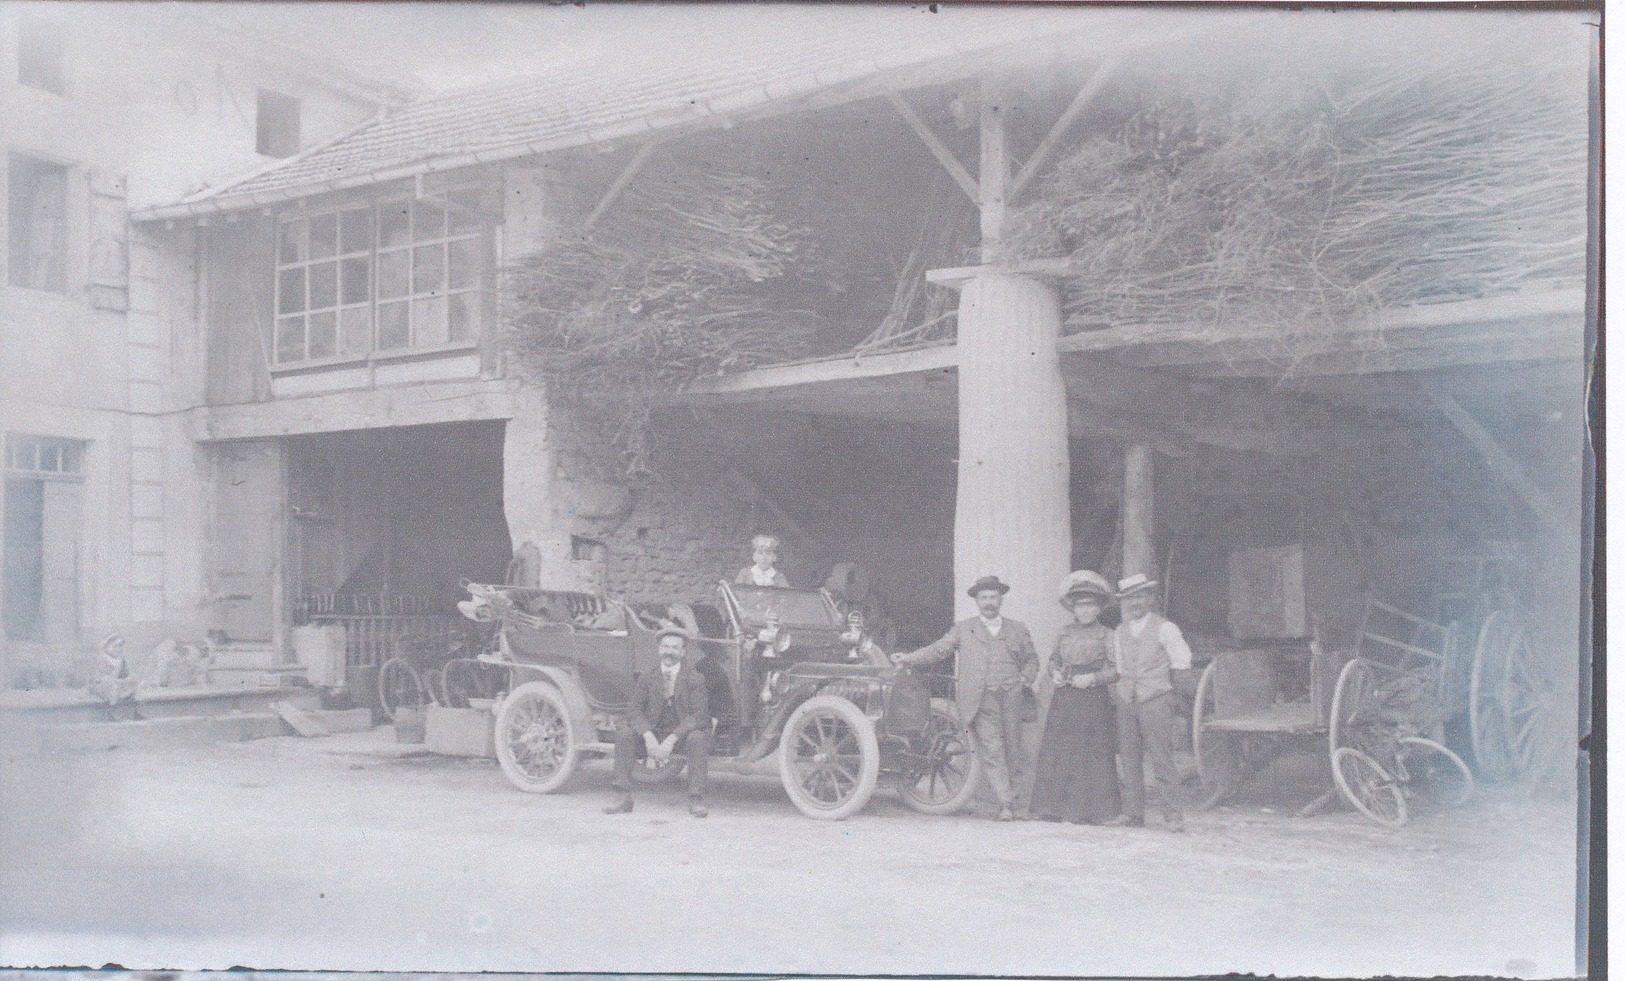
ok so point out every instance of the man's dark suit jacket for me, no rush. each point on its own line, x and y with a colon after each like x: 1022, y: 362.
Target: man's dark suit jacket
x: 649, y: 699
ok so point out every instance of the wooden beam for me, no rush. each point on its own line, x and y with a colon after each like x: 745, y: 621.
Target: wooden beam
x: 994, y: 171
x: 1139, y: 512
x: 1052, y: 139
x: 1501, y: 462
x: 944, y: 156
x: 615, y: 189
x: 405, y: 405
x: 873, y: 366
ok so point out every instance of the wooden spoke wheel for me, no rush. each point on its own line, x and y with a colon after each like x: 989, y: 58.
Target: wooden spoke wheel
x: 950, y: 771
x: 399, y: 687
x: 1513, y: 712
x: 1370, y: 788
x: 1355, y: 706
x: 1220, y: 756
x: 535, y: 739
x: 1432, y: 776
x: 830, y: 758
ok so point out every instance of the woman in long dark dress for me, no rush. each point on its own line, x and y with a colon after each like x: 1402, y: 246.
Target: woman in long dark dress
x: 1076, y: 775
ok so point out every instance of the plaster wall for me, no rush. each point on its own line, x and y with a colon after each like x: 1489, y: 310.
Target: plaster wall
x: 115, y: 358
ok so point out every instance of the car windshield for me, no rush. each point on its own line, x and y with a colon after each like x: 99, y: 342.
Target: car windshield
x: 795, y: 607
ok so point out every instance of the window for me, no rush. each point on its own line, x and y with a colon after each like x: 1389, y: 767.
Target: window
x: 44, y: 456
x: 39, y: 55
x: 276, y: 124
x: 36, y: 223
x: 391, y: 275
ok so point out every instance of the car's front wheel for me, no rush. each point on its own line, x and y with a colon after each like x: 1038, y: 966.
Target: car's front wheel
x: 830, y: 758
x: 535, y: 739
x: 946, y: 778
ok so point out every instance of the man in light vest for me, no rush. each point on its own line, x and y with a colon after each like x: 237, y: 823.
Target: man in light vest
x: 1148, y: 649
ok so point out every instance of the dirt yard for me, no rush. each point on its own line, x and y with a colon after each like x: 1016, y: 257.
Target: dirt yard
x: 288, y: 853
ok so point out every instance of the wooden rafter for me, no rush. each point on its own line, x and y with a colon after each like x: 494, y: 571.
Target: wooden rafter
x: 1052, y: 139
x: 1500, y: 461
x: 944, y: 156
x: 615, y: 189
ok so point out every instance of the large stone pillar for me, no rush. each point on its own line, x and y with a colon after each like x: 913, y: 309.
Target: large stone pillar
x: 1139, y: 512
x: 1013, y: 514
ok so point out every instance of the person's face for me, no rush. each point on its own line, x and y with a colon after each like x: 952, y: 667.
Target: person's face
x: 1086, y: 610
x: 766, y: 553
x: 988, y: 602
x: 1138, y: 605
x: 671, y: 649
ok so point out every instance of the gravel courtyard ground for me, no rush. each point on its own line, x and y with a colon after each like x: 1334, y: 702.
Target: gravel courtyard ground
x: 288, y: 853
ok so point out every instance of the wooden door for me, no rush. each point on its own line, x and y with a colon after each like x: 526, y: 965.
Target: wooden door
x: 246, y: 540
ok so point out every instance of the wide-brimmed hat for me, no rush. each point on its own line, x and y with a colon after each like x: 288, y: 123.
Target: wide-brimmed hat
x: 987, y: 582
x: 1137, y: 583
x: 1085, y: 583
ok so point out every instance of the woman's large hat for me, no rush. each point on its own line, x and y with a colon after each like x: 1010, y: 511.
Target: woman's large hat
x: 1085, y: 582
x: 1137, y: 583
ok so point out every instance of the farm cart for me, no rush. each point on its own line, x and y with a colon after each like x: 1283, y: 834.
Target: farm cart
x: 1396, y: 689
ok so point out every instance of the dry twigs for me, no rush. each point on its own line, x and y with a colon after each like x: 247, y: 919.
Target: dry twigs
x: 1309, y: 200
x: 674, y: 283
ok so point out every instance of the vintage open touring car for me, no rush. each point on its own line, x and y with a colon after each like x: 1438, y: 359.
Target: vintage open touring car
x: 792, y: 688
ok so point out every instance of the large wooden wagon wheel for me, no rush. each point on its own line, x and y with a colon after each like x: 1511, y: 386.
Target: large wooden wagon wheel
x: 1219, y: 755
x: 1512, y: 707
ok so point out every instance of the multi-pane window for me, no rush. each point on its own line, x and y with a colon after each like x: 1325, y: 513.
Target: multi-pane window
x: 392, y: 275
x: 47, y: 455
x: 36, y: 223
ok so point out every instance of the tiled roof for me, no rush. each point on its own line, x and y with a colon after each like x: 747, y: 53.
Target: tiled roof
x: 687, y: 82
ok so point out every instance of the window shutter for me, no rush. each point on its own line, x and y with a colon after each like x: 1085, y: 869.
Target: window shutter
x: 109, y: 281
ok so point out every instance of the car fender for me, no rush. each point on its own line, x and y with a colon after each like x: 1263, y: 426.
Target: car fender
x: 569, y: 686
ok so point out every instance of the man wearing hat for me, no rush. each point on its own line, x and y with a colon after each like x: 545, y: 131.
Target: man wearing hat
x: 997, y: 662
x: 668, y: 710
x: 1148, y: 648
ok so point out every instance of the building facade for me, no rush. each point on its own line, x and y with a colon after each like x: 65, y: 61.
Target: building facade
x: 104, y: 110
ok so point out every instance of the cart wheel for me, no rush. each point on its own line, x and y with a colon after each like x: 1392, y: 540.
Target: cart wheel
x: 1218, y: 754
x: 1370, y: 788
x: 536, y: 742
x: 398, y: 686
x: 1512, y: 705
x: 1353, y: 705
x: 829, y: 758
x: 1433, y: 776
x: 952, y: 769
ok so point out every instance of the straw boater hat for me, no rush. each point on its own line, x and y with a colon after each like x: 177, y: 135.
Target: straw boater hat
x: 987, y: 582
x: 673, y: 632
x: 1085, y: 583
x: 1137, y: 583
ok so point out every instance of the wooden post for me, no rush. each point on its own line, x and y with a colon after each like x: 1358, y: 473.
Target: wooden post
x: 1013, y: 515
x: 995, y: 172
x: 1139, y: 514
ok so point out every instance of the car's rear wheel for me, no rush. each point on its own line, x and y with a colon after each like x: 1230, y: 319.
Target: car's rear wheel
x: 535, y: 739
x: 830, y: 758
x: 951, y: 770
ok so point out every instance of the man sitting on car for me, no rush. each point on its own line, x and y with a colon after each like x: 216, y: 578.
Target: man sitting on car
x: 669, y: 708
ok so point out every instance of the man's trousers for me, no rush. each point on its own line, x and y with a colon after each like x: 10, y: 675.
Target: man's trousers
x: 1146, y: 730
